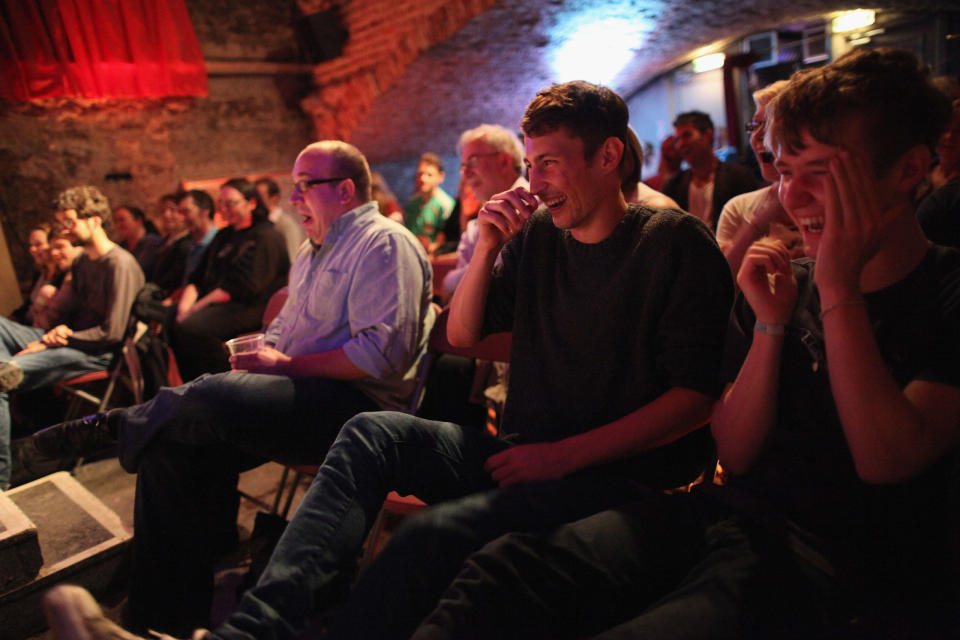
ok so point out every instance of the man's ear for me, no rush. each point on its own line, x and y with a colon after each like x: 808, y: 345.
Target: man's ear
x: 610, y: 153
x: 346, y: 190
x: 911, y: 168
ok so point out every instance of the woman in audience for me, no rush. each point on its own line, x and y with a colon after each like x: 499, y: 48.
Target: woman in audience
x: 172, y: 255
x: 939, y: 211
x: 384, y: 196
x: 244, y: 265
x: 750, y: 216
x: 46, y: 280
x: 948, y: 152
x: 633, y: 188
x: 137, y: 235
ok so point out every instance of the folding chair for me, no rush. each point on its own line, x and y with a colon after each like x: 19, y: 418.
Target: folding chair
x: 83, y: 390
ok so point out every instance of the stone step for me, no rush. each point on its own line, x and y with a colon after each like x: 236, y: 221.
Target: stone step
x: 20, y: 558
x: 80, y: 539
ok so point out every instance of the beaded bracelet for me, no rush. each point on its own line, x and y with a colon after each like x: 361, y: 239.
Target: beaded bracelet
x: 842, y: 303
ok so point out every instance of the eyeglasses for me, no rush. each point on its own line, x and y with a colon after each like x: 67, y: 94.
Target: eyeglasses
x: 230, y: 203
x: 753, y: 125
x: 473, y: 160
x: 303, y: 186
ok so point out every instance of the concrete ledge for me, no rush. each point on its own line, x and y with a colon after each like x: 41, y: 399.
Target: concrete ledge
x: 20, y: 558
x: 81, y: 540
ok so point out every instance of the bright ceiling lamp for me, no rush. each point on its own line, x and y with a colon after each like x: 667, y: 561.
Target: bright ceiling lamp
x: 708, y: 62
x: 853, y: 20
x: 596, y: 49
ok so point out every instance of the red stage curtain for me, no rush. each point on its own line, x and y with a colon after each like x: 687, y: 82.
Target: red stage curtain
x: 98, y: 49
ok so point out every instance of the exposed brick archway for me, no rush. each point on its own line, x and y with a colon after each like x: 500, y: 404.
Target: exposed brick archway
x: 386, y: 36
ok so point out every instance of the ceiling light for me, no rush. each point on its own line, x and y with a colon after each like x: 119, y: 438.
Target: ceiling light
x: 708, y: 62
x: 852, y: 20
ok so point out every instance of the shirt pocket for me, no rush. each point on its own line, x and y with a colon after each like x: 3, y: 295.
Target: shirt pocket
x: 329, y: 290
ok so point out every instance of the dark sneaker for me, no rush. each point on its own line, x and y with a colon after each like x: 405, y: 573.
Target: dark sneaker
x: 11, y: 375
x: 29, y: 464
x: 79, y: 438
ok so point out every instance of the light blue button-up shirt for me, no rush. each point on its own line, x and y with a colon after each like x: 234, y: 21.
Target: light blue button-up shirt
x: 367, y: 290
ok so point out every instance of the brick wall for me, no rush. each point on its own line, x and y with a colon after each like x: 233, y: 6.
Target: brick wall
x: 386, y: 36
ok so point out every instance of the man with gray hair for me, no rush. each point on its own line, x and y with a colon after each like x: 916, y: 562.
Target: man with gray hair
x: 106, y: 279
x: 491, y: 162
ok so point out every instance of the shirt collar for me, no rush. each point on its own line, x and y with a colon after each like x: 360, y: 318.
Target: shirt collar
x: 349, y: 218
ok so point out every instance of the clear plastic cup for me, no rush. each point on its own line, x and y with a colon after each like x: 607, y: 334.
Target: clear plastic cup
x: 245, y: 344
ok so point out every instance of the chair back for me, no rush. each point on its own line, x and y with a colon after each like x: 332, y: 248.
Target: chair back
x: 125, y: 357
x: 424, y: 366
x: 274, y: 305
x: 132, y: 359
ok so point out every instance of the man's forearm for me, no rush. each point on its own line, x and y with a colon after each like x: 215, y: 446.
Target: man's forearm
x: 470, y: 299
x: 893, y: 433
x: 332, y: 364
x: 745, y: 414
x: 671, y: 416
x: 187, y: 299
x: 217, y: 296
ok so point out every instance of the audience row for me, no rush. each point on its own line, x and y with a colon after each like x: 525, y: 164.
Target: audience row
x: 643, y: 351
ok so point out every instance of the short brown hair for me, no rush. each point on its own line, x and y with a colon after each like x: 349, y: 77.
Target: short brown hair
x: 701, y: 121
x: 587, y: 111
x: 886, y: 90
x: 432, y: 159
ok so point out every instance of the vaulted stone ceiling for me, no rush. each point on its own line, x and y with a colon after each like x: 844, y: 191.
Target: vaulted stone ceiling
x: 492, y: 66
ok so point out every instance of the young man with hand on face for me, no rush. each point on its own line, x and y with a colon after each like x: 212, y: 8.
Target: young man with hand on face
x: 838, y: 435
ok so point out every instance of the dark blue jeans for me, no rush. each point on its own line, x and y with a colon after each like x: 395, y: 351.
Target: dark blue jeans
x: 39, y: 370
x: 188, y: 445
x: 666, y: 566
x: 442, y: 464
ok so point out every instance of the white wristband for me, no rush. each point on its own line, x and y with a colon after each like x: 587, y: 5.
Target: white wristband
x: 769, y: 329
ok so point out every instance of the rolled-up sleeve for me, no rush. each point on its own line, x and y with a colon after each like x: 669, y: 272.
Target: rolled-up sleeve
x: 384, y: 307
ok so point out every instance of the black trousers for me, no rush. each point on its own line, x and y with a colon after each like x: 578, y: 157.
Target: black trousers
x: 198, y: 341
x: 667, y: 566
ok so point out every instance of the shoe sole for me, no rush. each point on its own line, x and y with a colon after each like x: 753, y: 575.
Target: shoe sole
x: 10, y: 376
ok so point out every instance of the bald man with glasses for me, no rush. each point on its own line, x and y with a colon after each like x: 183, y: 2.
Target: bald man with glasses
x: 348, y: 340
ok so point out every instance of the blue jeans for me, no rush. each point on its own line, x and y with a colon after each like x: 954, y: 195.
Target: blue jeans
x: 439, y: 462
x: 39, y: 370
x: 187, y: 446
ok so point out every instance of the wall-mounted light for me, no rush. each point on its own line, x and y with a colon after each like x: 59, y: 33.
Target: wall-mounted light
x: 853, y: 20
x: 708, y: 62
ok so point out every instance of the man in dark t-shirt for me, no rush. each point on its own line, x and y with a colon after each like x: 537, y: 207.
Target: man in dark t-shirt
x: 838, y: 433
x: 618, y: 315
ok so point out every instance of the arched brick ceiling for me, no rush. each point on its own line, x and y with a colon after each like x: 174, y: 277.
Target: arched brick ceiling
x: 488, y: 70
